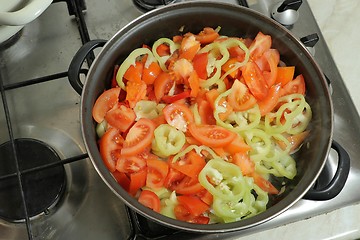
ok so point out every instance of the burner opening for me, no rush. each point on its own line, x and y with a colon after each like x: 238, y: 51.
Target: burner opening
x: 42, y: 187
x: 148, y: 5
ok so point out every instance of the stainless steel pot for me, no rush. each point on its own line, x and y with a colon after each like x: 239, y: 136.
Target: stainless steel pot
x: 234, y: 21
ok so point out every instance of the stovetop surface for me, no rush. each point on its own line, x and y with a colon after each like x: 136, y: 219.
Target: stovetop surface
x: 49, y: 111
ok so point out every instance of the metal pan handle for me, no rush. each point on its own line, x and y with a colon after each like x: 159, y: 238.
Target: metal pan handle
x: 75, y: 70
x: 337, y: 182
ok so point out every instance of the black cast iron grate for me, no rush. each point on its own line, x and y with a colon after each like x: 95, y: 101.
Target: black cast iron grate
x: 32, y: 175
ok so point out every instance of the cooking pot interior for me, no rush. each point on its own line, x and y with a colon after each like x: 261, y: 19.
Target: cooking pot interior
x: 234, y: 21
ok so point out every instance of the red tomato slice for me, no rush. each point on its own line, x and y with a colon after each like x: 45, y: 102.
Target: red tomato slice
x: 285, y: 75
x: 150, y: 73
x: 200, y: 62
x: 150, y: 199
x: 244, y: 162
x: 183, y: 214
x: 137, y: 181
x: 271, y: 100
x: 110, y: 146
x: 264, y: 184
x: 207, y: 35
x: 212, y: 135
x: 193, y: 204
x: 122, y: 179
x: 237, y: 145
x: 134, y: 73
x: 135, y: 91
x: 173, y: 178
x: 188, y: 186
x: 178, y: 115
x: 295, y: 86
x: 104, y: 103
x: 272, y: 57
x: 157, y: 171
x: 206, y: 113
x: 177, y: 97
x: 162, y: 85
x: 240, y: 98
x: 191, y: 164
x: 189, y: 47
x: 130, y: 164
x: 120, y: 117
x: 261, y: 44
x: 255, y: 80
x: 139, y: 137
x: 163, y: 50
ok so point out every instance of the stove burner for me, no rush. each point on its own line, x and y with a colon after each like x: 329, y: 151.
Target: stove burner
x: 42, y: 187
x: 148, y: 5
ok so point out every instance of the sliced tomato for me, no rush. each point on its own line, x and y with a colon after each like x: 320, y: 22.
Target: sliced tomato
x: 110, y: 146
x: 296, y: 85
x: 207, y: 35
x: 285, y: 75
x: 211, y: 97
x: 189, y: 47
x: 261, y: 44
x: 134, y: 72
x: 177, y: 97
x: 121, y: 117
x: 264, y: 184
x: 178, y: 115
x: 295, y: 141
x: 237, y: 52
x: 162, y: 85
x: 188, y: 186
x: 195, y: 206
x: 205, y: 196
x: 237, y: 145
x: 159, y: 120
x: 271, y: 100
x: 200, y: 62
x: 206, y: 113
x: 151, y: 72
x: 135, y: 91
x: 163, y: 50
x: 157, y: 171
x: 130, y: 164
x: 106, y: 101
x: 272, y: 57
x: 137, y: 181
x: 183, y: 214
x: 211, y: 135
x: 139, y: 137
x: 240, y: 97
x: 191, y: 164
x: 173, y: 178
x: 150, y: 199
x: 122, y: 179
x: 229, y: 65
x: 243, y: 161
x: 194, y: 83
x: 255, y: 80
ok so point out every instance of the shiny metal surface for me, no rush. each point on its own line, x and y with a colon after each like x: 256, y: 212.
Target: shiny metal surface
x: 50, y: 112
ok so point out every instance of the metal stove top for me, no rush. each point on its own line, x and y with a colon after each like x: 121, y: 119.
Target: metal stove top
x: 39, y: 103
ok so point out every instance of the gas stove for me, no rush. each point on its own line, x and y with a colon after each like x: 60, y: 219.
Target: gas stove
x: 48, y: 186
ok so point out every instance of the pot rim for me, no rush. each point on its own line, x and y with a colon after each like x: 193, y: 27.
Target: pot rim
x: 289, y: 200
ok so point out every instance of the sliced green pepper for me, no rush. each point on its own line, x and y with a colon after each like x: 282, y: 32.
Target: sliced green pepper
x: 167, y: 140
x: 222, y: 179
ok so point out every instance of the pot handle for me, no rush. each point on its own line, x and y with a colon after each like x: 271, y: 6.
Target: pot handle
x: 337, y: 182
x: 75, y: 70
